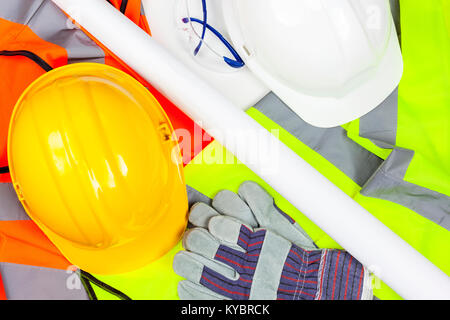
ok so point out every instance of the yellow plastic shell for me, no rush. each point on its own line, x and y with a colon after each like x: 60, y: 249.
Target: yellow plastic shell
x: 95, y: 165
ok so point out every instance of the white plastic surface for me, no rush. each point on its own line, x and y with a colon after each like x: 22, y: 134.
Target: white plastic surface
x: 164, y: 18
x: 402, y: 268
x: 330, y: 61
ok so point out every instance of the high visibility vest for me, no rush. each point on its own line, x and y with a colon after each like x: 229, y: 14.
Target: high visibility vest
x: 393, y: 161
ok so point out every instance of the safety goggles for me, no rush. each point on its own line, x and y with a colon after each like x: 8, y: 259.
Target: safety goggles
x: 207, y: 44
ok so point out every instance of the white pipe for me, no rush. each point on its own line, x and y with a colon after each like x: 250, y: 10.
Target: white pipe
x: 399, y: 265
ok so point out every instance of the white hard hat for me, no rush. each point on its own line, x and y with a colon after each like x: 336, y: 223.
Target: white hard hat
x: 330, y: 61
x: 178, y: 26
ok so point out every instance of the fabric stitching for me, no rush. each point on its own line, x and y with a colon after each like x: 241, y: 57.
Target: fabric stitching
x: 297, y: 293
x: 319, y: 276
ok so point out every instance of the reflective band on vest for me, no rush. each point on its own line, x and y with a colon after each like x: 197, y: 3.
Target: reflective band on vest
x: 30, y: 265
x: 380, y: 125
x: 26, y: 282
x: 384, y: 180
x: 388, y: 183
x: 333, y: 144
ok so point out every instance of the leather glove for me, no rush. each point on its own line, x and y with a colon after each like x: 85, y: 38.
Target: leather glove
x: 244, y: 247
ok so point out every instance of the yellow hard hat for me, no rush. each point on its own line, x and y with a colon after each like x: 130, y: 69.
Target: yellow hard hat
x: 94, y: 164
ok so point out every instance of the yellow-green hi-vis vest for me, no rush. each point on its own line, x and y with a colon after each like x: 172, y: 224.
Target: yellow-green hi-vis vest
x: 394, y: 161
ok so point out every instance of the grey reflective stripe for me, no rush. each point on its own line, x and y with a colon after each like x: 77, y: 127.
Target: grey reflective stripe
x: 380, y: 124
x: 142, y: 9
x: 10, y: 207
x: 24, y: 282
x: 52, y: 25
x: 395, y: 10
x: 19, y: 11
x: 332, y: 143
x: 196, y: 196
x: 388, y: 183
x: 31, y: 282
x: 384, y: 180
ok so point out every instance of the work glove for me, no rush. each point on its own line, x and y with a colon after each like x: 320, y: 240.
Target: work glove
x: 244, y: 247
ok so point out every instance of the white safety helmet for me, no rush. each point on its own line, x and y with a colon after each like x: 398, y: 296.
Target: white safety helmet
x: 204, y: 47
x: 330, y: 61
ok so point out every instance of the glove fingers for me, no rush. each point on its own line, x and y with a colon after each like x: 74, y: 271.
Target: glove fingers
x: 202, y: 242
x: 229, y: 203
x: 191, y: 266
x: 227, y: 230
x: 200, y: 214
x: 271, y: 217
x: 258, y: 200
x: 208, y: 273
x: 299, y: 237
x: 190, y: 291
